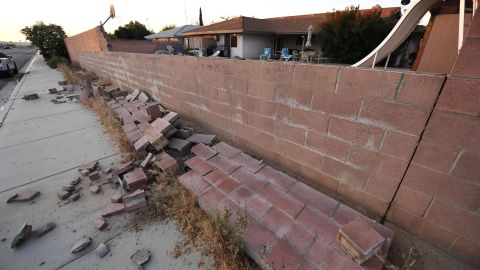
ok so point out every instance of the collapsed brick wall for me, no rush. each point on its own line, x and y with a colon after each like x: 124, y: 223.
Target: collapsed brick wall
x: 440, y: 196
x: 92, y: 40
x: 352, y: 131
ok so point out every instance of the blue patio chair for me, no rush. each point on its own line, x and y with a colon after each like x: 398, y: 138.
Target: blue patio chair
x: 267, y: 54
x: 285, y: 55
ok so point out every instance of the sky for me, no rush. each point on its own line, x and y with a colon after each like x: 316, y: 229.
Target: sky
x: 78, y: 16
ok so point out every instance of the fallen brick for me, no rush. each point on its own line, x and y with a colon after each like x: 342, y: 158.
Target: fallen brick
x: 156, y: 138
x: 90, y: 166
x: 135, y: 179
x: 131, y: 97
x: 139, y: 193
x: 129, y: 127
x: 155, y: 111
x: 95, y: 189
x: 122, y: 168
x: 141, y: 116
x: 360, y: 240
x: 202, y: 138
x: 76, y: 181
x: 141, y: 144
x: 74, y: 197
x: 100, y: 224
x: 166, y: 163
x: 202, y: 151
x: 69, y: 188
x: 53, y: 90
x: 226, y: 149
x: 134, y: 135
x: 135, y: 204
x: 24, y: 196
x: 178, y: 144
x: 147, y: 160
x: 199, y: 165
x: 143, y: 97
x: 143, y: 126
x: 84, y: 172
x: 171, y: 117
x: 162, y: 125
x: 183, y: 133
x: 116, y: 198
x: 94, y: 176
x: 113, y: 209
x: 63, y: 194
x: 108, y: 170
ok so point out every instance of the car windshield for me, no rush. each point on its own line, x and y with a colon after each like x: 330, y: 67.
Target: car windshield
x: 2, y: 55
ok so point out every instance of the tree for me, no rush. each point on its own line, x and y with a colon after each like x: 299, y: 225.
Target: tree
x: 49, y: 39
x: 168, y: 27
x: 200, y: 18
x: 132, y: 30
x: 348, y: 36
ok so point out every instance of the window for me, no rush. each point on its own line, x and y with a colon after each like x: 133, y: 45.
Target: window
x: 233, y: 41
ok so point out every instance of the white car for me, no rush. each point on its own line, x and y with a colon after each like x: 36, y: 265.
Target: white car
x: 7, y: 64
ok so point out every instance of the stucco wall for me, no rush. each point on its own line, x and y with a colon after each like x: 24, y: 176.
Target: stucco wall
x: 253, y: 45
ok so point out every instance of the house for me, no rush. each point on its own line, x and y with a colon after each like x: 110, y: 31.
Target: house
x: 174, y: 34
x: 246, y: 36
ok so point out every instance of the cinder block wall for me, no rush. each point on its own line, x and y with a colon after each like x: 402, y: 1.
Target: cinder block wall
x: 440, y: 195
x: 92, y: 40
x: 352, y: 131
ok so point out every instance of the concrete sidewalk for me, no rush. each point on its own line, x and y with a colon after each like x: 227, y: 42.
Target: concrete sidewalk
x: 41, y: 145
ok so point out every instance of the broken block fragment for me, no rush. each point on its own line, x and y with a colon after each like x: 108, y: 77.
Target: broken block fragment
x: 135, y: 179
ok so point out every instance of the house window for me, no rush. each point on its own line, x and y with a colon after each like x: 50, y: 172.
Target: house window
x: 299, y: 40
x: 233, y: 41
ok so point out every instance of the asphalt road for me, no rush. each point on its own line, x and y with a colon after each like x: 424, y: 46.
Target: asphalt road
x: 7, y: 84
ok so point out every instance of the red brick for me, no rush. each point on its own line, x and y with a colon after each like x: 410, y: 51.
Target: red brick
x: 336, y: 104
x: 199, y: 165
x: 226, y: 149
x: 202, y: 151
x: 325, y: 256
x: 291, y: 133
x: 282, y: 200
x: 363, y: 235
x: 357, y: 133
x: 363, y: 159
x: 279, y: 72
x: 314, y: 198
x: 279, y: 179
x: 420, y: 89
x: 326, y: 228
x: 381, y: 187
x: 303, y: 155
x: 215, y: 176
x: 266, y: 108
x: 317, y: 177
x: 283, y: 113
x: 345, y: 214
x: 281, y: 256
x: 135, y: 179
x: 194, y: 182
x: 299, y: 238
x: 444, y: 187
x: 434, y: 155
x: 241, y: 195
x: 392, y: 167
x: 227, y: 184
x: 277, y: 221
x: 129, y: 127
x: 260, y: 122
x: 466, y: 64
x: 294, y: 96
x: 460, y: 96
x: 312, y: 120
x: 257, y: 206
x: 321, y: 78
x: 113, y: 209
x: 248, y: 69
x: 306, y: 265
x: 467, y: 167
x: 327, y: 145
x: 345, y: 173
x: 257, y: 237
x: 223, y: 163
x: 412, y: 200
x: 166, y: 163
x: 253, y: 181
x: 466, y: 250
x: 454, y: 130
x: 209, y: 200
x: 248, y: 162
x: 368, y: 83
x: 261, y: 89
x: 406, y: 118
x: 363, y: 198
x: 454, y: 219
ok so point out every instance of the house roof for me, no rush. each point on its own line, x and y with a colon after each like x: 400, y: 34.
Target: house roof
x: 174, y: 32
x: 278, y: 25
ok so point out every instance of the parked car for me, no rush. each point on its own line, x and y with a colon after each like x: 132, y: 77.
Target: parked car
x: 7, y: 64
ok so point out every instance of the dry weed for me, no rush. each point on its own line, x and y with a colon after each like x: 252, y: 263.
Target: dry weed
x: 408, y: 261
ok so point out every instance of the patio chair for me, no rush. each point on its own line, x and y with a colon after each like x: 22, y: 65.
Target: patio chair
x: 215, y: 54
x: 285, y: 55
x: 267, y: 54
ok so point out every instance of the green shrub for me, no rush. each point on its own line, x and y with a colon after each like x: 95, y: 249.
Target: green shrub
x: 54, y: 61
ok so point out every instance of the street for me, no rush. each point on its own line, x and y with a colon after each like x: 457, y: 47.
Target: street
x: 7, y: 84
